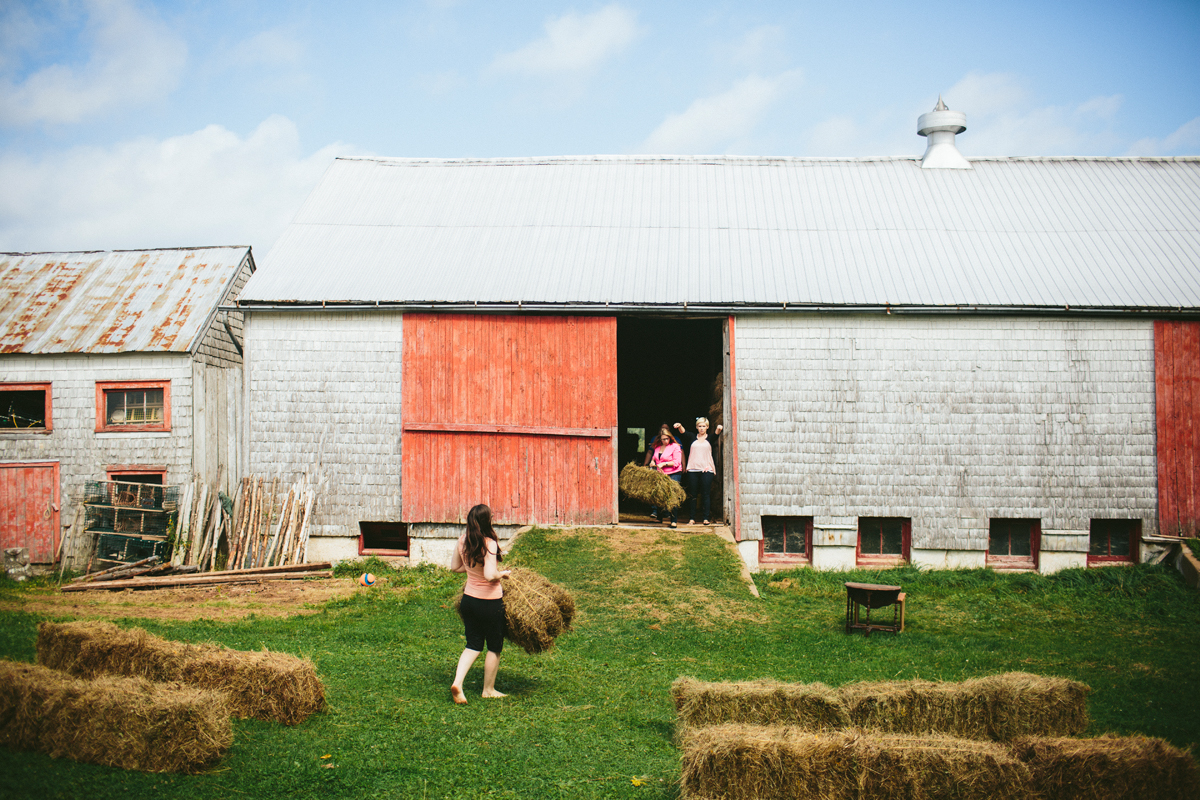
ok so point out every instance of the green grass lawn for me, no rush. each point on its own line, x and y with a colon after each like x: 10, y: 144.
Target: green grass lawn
x: 593, y: 717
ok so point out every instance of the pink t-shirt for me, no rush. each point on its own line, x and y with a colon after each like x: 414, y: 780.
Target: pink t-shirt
x: 700, y: 458
x: 477, y: 585
x: 668, y: 458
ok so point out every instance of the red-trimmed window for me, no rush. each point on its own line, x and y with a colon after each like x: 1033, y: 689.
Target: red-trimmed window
x: 1014, y: 543
x: 382, y: 539
x: 786, y: 539
x: 883, y: 541
x: 25, y: 408
x: 133, y: 406
x: 1114, y: 541
x: 135, y: 473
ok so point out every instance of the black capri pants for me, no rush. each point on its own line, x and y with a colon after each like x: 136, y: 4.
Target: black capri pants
x: 484, y: 623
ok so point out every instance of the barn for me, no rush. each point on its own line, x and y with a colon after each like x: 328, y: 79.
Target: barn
x: 942, y: 361
x: 114, y: 366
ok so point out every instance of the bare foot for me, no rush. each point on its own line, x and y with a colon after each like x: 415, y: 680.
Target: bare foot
x: 457, y: 694
x: 494, y: 693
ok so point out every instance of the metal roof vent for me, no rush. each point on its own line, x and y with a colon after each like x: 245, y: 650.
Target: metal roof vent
x: 940, y: 126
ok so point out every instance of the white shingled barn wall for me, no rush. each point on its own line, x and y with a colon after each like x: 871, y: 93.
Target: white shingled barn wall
x: 949, y: 420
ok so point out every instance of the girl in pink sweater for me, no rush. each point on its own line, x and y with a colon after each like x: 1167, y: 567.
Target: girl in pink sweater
x: 667, y: 458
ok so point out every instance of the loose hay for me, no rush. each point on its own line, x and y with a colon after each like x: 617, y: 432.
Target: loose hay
x: 130, y: 723
x: 261, y: 685
x: 997, y: 707
x: 750, y: 762
x: 536, y: 611
x: 650, y: 486
x: 1108, y: 768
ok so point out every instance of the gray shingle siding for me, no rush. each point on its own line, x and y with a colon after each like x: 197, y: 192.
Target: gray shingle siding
x: 326, y: 385
x: 949, y: 421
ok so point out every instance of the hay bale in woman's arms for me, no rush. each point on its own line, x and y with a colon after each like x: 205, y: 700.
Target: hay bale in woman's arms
x: 130, y: 723
x: 262, y: 685
x: 536, y: 611
x: 651, y: 486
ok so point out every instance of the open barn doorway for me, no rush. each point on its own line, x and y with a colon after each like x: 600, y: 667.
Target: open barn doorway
x: 668, y: 370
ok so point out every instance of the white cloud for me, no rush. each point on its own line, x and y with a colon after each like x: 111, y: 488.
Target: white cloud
x: 134, y: 59
x: 1185, y: 140
x: 210, y: 187
x: 573, y: 43
x: 712, y: 123
x: 754, y: 48
x: 1003, y: 120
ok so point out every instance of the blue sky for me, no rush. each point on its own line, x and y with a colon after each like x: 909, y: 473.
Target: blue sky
x: 127, y: 124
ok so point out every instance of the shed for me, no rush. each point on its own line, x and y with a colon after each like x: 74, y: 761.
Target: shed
x: 114, y: 365
x: 933, y: 360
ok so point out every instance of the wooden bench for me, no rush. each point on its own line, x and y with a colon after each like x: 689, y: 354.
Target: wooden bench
x: 868, y: 596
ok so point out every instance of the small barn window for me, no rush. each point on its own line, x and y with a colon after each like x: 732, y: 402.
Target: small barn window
x: 137, y: 474
x: 1114, y: 541
x: 133, y: 406
x: 25, y: 407
x: 1013, y: 543
x: 382, y: 539
x: 786, y: 539
x: 883, y: 541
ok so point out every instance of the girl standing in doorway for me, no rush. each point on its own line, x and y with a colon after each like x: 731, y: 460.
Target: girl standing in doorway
x: 482, y: 608
x: 667, y: 458
x: 701, y: 470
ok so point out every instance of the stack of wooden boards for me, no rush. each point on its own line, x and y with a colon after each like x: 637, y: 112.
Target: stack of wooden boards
x: 1001, y: 737
x: 129, y: 699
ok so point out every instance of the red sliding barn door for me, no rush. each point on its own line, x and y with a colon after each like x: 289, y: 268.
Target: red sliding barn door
x: 1177, y: 396
x: 516, y: 412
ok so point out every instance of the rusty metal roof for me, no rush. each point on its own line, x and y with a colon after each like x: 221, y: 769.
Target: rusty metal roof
x: 124, y: 301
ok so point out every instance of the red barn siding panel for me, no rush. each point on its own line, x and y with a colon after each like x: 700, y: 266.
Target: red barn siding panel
x: 1177, y: 399
x: 28, y: 499
x: 516, y: 412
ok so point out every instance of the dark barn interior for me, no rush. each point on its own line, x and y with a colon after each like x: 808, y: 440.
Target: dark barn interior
x: 668, y: 370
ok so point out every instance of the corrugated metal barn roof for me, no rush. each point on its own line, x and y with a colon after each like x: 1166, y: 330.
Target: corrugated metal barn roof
x: 1107, y: 233
x: 112, y: 302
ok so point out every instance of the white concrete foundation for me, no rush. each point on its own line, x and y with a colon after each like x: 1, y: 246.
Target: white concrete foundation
x: 833, y: 557
x: 948, y: 559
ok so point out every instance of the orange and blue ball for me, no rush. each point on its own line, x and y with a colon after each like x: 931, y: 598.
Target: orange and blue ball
x: 366, y: 579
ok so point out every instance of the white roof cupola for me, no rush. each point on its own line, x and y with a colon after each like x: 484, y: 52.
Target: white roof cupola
x: 940, y: 126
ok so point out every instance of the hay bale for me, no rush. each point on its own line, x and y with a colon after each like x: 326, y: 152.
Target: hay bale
x: 752, y: 762
x: 650, y: 486
x: 130, y: 723
x: 1108, y: 768
x: 261, y: 685
x: 807, y: 706
x: 997, y: 707
x: 536, y: 611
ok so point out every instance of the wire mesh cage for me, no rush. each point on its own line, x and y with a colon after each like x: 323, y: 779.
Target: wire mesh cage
x: 131, y: 495
x: 116, y: 519
x: 117, y: 547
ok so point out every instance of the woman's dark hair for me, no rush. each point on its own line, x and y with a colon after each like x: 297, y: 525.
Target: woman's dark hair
x: 479, y: 528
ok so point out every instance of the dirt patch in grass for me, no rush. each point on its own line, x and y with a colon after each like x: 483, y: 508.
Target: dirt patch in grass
x: 222, y: 603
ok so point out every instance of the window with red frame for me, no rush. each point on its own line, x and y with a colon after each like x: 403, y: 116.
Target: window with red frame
x: 1114, y: 541
x: 1013, y: 543
x: 25, y: 407
x: 382, y: 539
x: 786, y: 539
x: 883, y: 540
x: 133, y: 406
x: 137, y: 474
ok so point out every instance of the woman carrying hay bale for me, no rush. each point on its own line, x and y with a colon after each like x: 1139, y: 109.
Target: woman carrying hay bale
x: 666, y: 457
x: 482, y: 607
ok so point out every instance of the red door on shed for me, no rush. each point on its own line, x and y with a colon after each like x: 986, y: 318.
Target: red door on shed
x: 513, y: 411
x: 29, y: 509
x: 1177, y: 397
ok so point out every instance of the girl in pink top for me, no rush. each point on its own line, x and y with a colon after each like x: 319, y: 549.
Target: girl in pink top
x: 667, y: 458
x: 482, y: 609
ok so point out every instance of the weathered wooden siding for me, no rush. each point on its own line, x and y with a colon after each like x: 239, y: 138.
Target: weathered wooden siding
x: 1177, y: 392
x: 325, y: 387
x: 83, y: 454
x: 515, y: 412
x: 949, y: 421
